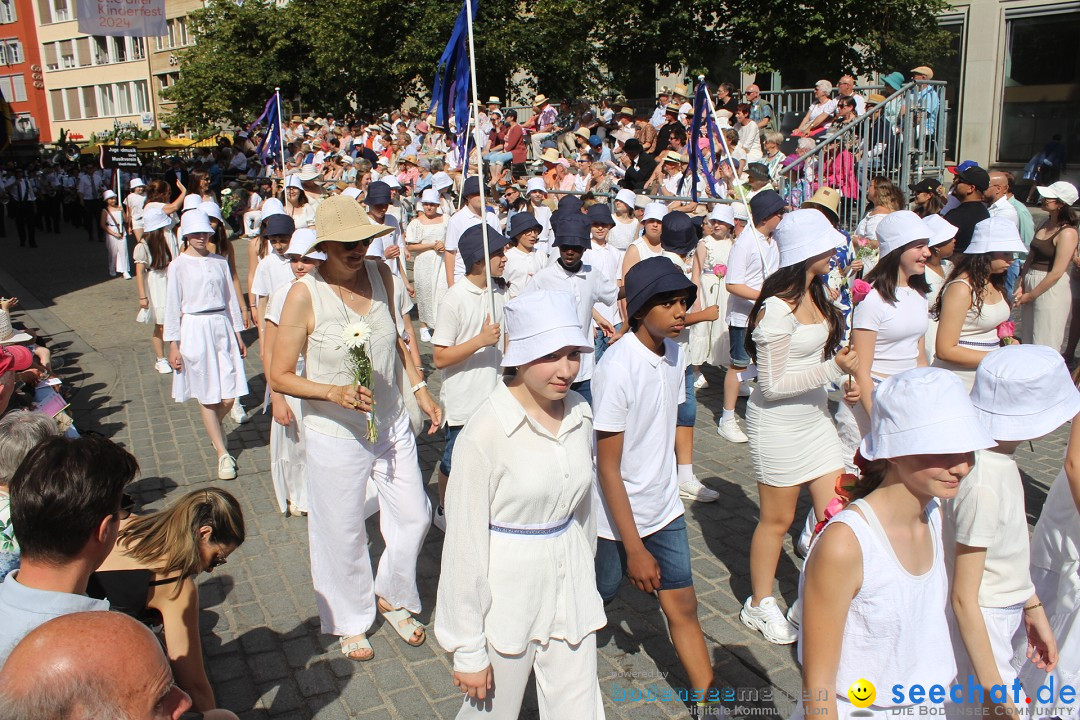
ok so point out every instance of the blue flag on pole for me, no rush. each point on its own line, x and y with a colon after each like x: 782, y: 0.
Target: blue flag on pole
x: 703, y: 119
x: 451, y: 88
x: 270, y: 148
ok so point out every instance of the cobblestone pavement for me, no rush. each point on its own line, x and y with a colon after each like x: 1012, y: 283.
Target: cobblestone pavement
x: 265, y: 654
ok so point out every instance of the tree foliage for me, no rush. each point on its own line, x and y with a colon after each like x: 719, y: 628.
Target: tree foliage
x: 337, y: 55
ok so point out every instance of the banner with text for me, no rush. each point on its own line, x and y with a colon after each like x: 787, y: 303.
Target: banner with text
x: 135, y: 18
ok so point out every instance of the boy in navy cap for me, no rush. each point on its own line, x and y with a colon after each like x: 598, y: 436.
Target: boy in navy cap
x: 569, y: 273
x: 640, y: 518
x: 467, y: 340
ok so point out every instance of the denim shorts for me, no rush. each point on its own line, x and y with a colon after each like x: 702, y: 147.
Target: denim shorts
x: 737, y: 342
x: 669, y: 545
x: 687, y: 410
x: 448, y: 451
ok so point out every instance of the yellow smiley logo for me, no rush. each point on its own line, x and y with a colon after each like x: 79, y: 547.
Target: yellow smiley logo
x: 862, y: 693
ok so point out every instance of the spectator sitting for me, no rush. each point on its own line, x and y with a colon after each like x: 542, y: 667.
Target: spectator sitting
x: 150, y: 575
x: 92, y: 666
x: 65, y: 510
x: 20, y: 432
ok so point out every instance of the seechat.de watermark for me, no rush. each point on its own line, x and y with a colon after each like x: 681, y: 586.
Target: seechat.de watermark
x: 976, y: 700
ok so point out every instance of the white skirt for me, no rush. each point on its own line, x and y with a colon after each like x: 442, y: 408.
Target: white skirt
x: 792, y: 441
x: 427, y: 268
x: 1060, y: 595
x: 287, y: 460
x: 213, y: 369
x: 119, y: 262
x: 156, y: 283
x: 709, y: 340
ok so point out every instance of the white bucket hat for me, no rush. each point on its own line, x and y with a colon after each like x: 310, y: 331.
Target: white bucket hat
x: 627, y: 197
x: 8, y: 336
x: 352, y: 192
x: 392, y: 181
x: 303, y: 239
x: 195, y: 221
x: 995, y: 234
x: 272, y: 206
x: 535, y: 183
x: 191, y: 202
x: 740, y: 211
x: 539, y: 323
x: 307, y: 172
x: 107, y: 195
x: 430, y: 196
x: 1061, y: 190
x: 155, y: 219
x: 441, y: 180
x: 293, y: 181
x: 136, y: 183
x: 923, y: 411
x: 1023, y: 392
x: 803, y: 234
x: 212, y: 209
x: 722, y: 212
x: 899, y: 228
x: 655, y: 211
x: 941, y: 230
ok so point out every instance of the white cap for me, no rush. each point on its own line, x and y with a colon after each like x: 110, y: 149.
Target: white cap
x: 899, y: 228
x: 154, y: 219
x: 212, y: 209
x: 995, y: 234
x: 803, y: 234
x: 1061, y: 190
x: 192, y: 202
x: 108, y: 194
x: 739, y: 210
x: 352, y: 192
x: 655, y: 211
x: 430, y: 196
x: 384, y: 161
x: 941, y: 230
x: 535, y: 183
x: 441, y: 180
x: 627, y: 197
x: 390, y: 180
x: 302, y: 242
x: 272, y: 206
x: 1023, y: 392
x: 923, y: 411
x: 136, y: 183
x: 194, y: 221
x: 541, y: 322
x: 722, y: 212
x: 293, y: 181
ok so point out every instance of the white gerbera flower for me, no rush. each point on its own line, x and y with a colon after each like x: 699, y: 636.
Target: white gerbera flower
x: 356, y: 334
x: 227, y: 191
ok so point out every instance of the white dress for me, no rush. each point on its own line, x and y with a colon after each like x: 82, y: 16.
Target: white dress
x: 428, y: 268
x: 156, y: 283
x: 709, y: 341
x: 623, y: 233
x: 202, y: 314
x: 116, y: 246
x: 979, y: 332
x: 792, y: 438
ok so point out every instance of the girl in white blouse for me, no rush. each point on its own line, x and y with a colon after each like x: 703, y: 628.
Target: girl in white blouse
x: 517, y: 591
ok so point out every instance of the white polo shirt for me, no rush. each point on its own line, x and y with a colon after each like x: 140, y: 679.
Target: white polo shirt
x: 637, y: 392
x: 607, y: 259
x: 378, y: 245
x: 745, y: 268
x: 461, y: 317
x: 589, y: 286
x: 272, y: 272
x: 459, y: 222
x: 520, y: 268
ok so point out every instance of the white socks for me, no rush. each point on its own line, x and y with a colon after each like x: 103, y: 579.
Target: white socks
x: 728, y: 416
x: 684, y: 472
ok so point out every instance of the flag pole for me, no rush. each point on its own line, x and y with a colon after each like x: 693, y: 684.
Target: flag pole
x: 727, y: 156
x: 475, y: 114
x: 281, y: 140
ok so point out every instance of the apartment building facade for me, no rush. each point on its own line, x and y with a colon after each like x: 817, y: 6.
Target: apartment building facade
x: 21, y: 72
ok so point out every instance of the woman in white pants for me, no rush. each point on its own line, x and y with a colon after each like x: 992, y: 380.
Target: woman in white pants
x: 351, y: 292
x: 1043, y: 292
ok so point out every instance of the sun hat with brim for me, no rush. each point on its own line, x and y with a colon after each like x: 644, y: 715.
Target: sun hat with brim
x: 293, y: 181
x: 540, y: 323
x: 583, y: 132
x: 378, y: 193
x: 195, y: 221
x: 278, y: 225
x: 391, y: 182
x: 651, y: 277
x: 923, y: 411
x: 627, y: 111
x: 521, y: 222
x: 307, y: 173
x: 494, y: 101
x: 923, y: 70
x: 899, y: 228
x: 757, y: 171
x: 894, y: 80
x: 550, y: 155
x: 600, y: 214
x: 766, y: 204
x: 874, y: 99
x: 15, y: 359
x: 655, y: 211
x: 740, y: 212
x: 672, y: 108
x: 539, y: 100
x: 995, y: 234
x: 826, y: 200
x: 272, y: 206
x: 627, y: 197
x: 136, y: 183
x: 352, y: 192
x: 722, y: 212
x: 108, y: 195
x: 430, y: 196
x: 8, y: 336
x: 441, y: 180
x: 677, y: 234
x: 572, y: 230
x: 1061, y: 191
x: 673, y: 157
x: 803, y: 234
x: 155, y: 219
x: 1023, y: 392
x: 941, y: 230
x: 471, y: 244
x: 212, y: 209
x: 301, y: 243
x: 339, y: 219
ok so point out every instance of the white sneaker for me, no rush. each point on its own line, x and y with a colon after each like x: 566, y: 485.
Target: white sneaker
x: 237, y: 413
x: 745, y: 390
x: 226, y: 467
x: 794, y: 613
x: 692, y: 489
x: 162, y: 366
x: 701, y: 382
x: 438, y: 518
x: 730, y: 431
x: 767, y: 619
x: 425, y: 335
x: 127, y: 276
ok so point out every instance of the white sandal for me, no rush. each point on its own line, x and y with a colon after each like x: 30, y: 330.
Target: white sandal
x: 404, y: 624
x: 356, y: 643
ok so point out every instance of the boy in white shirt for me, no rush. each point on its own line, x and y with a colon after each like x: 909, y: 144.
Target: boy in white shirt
x: 523, y: 260
x: 274, y: 270
x: 466, y: 340
x: 640, y: 519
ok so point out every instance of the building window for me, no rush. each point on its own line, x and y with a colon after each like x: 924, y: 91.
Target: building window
x: 61, y: 10
x: 67, y: 54
x: 7, y: 12
x: 106, y: 100
x: 10, y: 52
x: 89, y: 102
x: 138, y: 49
x: 181, y: 31
x: 13, y: 87
x: 51, y: 56
x: 101, y: 50
x: 56, y: 102
x: 142, y: 99
x: 1042, y: 83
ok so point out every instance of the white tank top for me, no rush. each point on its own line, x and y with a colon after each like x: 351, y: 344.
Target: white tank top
x: 645, y: 250
x: 896, y: 630
x: 623, y: 234
x: 325, y: 357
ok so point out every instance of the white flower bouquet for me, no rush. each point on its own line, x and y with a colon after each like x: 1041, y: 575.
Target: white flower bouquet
x: 356, y: 338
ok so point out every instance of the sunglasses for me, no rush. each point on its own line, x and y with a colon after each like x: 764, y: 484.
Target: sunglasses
x: 350, y: 246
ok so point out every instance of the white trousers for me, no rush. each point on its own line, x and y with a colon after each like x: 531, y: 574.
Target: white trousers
x: 1008, y: 640
x: 566, y: 683
x: 252, y: 218
x: 287, y: 460
x: 338, y: 471
x: 1046, y: 320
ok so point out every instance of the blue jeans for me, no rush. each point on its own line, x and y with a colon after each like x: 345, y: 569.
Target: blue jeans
x: 499, y: 157
x: 584, y: 389
x: 601, y: 343
x: 452, y: 432
x: 1010, y: 278
x: 669, y: 545
x: 737, y: 337
x: 687, y: 410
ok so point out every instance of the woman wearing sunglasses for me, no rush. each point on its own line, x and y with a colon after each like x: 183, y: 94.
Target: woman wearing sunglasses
x: 356, y: 434
x: 150, y: 575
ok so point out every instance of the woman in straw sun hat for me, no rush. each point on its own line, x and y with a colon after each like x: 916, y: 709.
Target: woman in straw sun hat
x: 354, y: 434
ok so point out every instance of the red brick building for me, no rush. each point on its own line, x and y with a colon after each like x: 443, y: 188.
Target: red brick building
x: 21, y: 78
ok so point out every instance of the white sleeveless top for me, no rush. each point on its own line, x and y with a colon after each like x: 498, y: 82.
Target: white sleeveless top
x: 623, y: 234
x: 896, y: 627
x: 325, y: 358
x: 645, y: 250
